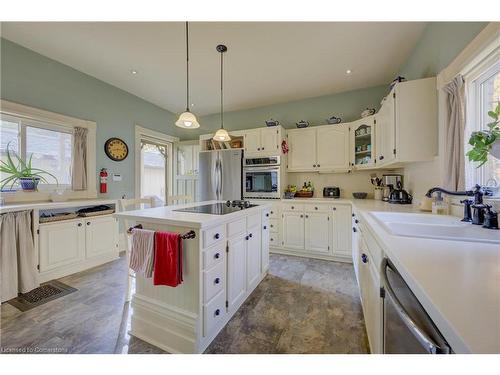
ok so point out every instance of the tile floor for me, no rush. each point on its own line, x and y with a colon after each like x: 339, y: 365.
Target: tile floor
x: 302, y: 306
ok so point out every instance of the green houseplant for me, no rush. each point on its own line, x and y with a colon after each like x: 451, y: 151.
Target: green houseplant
x: 21, y: 171
x: 486, y: 142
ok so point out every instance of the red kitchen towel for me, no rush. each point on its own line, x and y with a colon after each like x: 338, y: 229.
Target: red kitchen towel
x: 168, y: 259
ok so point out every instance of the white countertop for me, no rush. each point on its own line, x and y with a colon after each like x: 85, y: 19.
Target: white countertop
x: 45, y: 205
x: 167, y: 215
x: 458, y: 283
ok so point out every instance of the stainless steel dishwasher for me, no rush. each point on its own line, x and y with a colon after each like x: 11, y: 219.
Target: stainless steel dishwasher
x: 408, y: 329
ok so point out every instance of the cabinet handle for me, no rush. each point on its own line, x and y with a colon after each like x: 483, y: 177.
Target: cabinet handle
x: 267, y: 214
x: 353, y: 215
x: 271, y: 239
x: 314, y: 166
x: 262, y: 148
x: 293, y: 207
x: 307, y: 216
x: 381, y: 157
x: 335, y: 208
x: 354, y: 230
x: 79, y: 224
x: 265, y: 227
x: 356, y: 221
x: 250, y: 235
x: 88, y: 222
x: 217, y: 312
x: 217, y: 280
x: 217, y: 255
x: 272, y: 212
x: 272, y: 226
x: 301, y: 215
x: 258, y: 149
x: 364, y: 258
x: 246, y: 238
x: 318, y: 165
x: 216, y: 236
x: 315, y: 208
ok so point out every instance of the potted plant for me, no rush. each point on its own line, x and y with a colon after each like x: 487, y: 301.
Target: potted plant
x: 27, y: 176
x: 486, y: 142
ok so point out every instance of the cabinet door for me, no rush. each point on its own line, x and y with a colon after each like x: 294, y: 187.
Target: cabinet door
x: 293, y: 230
x: 385, y: 134
x: 270, y: 141
x: 342, y: 229
x: 252, y: 141
x: 317, y: 231
x: 236, y: 271
x: 100, y: 236
x: 363, y: 143
x: 302, y: 145
x: 254, y: 247
x: 61, y: 244
x: 265, y: 247
x: 332, y: 147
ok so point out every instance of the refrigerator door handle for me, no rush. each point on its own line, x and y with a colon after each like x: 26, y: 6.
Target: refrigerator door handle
x: 221, y: 185
x: 420, y: 335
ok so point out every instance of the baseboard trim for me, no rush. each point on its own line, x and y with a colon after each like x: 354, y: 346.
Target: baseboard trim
x: 285, y: 251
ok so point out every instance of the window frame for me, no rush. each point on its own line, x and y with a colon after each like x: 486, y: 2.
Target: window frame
x: 38, y: 118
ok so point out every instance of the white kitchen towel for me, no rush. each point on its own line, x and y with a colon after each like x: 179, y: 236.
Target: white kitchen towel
x: 142, y: 252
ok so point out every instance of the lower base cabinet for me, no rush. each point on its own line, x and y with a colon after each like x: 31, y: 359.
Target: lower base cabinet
x: 293, y: 230
x: 237, y: 271
x: 317, y: 232
x: 253, y: 240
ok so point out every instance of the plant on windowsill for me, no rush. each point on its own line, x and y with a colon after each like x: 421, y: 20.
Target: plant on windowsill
x: 486, y: 142
x: 27, y: 176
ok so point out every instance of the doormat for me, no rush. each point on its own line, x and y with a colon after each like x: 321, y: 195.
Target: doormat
x: 46, y: 292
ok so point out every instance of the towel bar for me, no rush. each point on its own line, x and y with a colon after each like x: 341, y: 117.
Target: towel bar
x: 186, y: 236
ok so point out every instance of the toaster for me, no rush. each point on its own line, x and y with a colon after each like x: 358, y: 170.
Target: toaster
x: 331, y: 192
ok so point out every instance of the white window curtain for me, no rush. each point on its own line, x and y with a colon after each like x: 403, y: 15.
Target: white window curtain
x: 79, y: 170
x: 454, y: 163
x: 18, y: 260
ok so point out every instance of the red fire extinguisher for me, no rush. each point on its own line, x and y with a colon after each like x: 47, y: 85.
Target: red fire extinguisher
x: 104, y: 180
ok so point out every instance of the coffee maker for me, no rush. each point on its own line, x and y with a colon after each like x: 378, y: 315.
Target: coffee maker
x: 390, y: 182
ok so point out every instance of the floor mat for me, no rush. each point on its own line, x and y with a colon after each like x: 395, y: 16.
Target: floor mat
x: 46, y: 292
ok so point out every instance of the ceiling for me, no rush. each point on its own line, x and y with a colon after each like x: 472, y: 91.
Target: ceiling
x: 266, y: 63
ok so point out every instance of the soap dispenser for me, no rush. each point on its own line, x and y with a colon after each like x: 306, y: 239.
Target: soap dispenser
x: 490, y: 218
x: 438, y: 205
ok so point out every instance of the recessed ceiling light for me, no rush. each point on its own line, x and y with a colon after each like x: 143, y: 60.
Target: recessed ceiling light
x: 348, y: 71
x: 133, y: 71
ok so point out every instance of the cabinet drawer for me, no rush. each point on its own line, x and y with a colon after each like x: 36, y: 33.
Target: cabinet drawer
x: 213, y: 281
x: 236, y: 227
x: 214, y: 313
x: 214, y: 255
x: 318, y: 207
x: 212, y: 235
x: 292, y: 207
x: 274, y: 225
x: 372, y: 246
x: 253, y: 220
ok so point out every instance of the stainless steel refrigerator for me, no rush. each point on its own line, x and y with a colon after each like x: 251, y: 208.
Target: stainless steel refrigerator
x: 221, y: 174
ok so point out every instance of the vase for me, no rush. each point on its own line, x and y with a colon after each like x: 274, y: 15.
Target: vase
x: 495, y: 149
x: 29, y: 183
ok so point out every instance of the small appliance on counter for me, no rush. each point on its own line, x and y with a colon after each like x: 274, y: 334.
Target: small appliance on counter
x: 389, y: 182
x: 331, y: 192
x: 399, y: 195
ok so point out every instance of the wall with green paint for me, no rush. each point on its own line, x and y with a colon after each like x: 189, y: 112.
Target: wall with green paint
x: 440, y: 43
x: 346, y: 105
x: 35, y: 80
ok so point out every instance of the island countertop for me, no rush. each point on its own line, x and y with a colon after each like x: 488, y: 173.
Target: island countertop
x: 168, y: 215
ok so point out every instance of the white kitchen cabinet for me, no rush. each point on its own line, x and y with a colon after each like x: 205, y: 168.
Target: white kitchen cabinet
x: 254, y: 247
x: 302, y: 150
x: 319, y: 149
x: 100, y: 236
x: 362, y: 143
x: 266, y: 239
x: 342, y: 229
x: 61, y: 244
x: 293, y: 230
x: 332, y: 147
x: 263, y: 141
x: 317, y: 232
x: 407, y: 124
x: 237, y: 271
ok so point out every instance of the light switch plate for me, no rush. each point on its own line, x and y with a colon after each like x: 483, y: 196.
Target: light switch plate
x: 117, y: 177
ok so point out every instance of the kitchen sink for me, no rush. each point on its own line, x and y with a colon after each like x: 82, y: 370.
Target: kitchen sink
x: 434, y: 226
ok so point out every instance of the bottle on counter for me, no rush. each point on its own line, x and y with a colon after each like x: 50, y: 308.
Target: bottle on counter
x: 439, y: 206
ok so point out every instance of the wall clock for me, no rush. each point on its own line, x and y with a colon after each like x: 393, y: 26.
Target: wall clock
x: 116, y: 149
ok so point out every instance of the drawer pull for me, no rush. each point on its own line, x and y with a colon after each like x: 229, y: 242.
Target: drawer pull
x: 217, y: 236
x: 293, y: 207
x: 356, y: 221
x: 315, y: 208
x: 272, y: 212
x: 301, y: 216
x: 267, y: 214
x: 335, y: 208
x: 217, y: 280
x: 246, y: 238
x: 354, y: 230
x: 217, y: 255
x: 88, y: 222
x: 364, y: 258
x: 79, y: 224
x: 265, y: 227
x: 307, y: 216
x: 250, y: 235
x: 271, y: 239
x: 271, y: 225
x: 217, y: 312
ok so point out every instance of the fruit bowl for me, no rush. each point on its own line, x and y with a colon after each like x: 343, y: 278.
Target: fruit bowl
x: 360, y: 195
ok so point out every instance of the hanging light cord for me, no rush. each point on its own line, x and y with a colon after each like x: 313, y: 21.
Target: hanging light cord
x: 221, y: 91
x: 187, y: 67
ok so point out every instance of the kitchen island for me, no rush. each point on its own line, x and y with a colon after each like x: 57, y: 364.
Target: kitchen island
x: 222, y: 265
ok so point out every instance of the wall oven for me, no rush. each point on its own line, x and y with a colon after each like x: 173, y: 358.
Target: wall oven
x: 261, y: 178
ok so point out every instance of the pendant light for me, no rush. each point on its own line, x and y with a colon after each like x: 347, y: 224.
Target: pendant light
x: 187, y: 120
x: 221, y: 135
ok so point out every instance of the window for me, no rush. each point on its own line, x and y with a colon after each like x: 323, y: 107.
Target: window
x: 483, y: 91
x: 49, y: 146
x: 154, y: 170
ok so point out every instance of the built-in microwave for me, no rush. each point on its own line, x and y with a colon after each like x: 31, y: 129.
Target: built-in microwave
x: 261, y: 178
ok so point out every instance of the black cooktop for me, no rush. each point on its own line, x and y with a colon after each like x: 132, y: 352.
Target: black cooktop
x: 215, y: 209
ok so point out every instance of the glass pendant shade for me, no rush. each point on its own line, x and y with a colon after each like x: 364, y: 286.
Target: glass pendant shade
x: 221, y: 135
x: 187, y: 120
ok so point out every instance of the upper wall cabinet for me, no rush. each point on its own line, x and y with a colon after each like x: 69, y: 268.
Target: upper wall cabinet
x: 319, y: 149
x: 262, y: 141
x: 363, y: 143
x: 407, y: 124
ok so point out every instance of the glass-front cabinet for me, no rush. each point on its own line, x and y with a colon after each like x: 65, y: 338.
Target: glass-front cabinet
x: 363, y: 143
